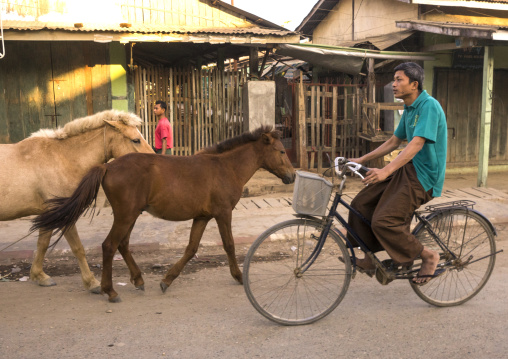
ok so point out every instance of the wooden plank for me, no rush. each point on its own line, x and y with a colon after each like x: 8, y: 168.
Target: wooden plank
x: 312, y: 125
x: 301, y: 140
x: 334, y: 122
x: 195, y: 124
x: 319, y: 128
x: 275, y: 203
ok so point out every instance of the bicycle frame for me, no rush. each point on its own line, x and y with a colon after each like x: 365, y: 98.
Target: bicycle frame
x: 334, y: 214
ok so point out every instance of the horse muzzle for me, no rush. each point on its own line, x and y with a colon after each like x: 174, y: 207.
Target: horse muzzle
x: 289, y: 178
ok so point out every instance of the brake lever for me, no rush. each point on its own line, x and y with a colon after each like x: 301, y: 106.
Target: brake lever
x: 357, y: 170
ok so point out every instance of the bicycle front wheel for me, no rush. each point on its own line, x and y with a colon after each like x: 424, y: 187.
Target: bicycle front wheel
x: 471, y: 239
x: 272, y: 275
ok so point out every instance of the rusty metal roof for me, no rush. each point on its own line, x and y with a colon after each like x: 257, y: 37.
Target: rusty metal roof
x: 482, y: 4
x: 456, y: 29
x: 138, y: 28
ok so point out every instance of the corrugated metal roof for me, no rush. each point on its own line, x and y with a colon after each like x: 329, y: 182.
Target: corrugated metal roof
x: 452, y: 29
x: 464, y: 1
x: 382, y: 42
x: 481, y: 4
x: 315, y: 16
x: 138, y: 28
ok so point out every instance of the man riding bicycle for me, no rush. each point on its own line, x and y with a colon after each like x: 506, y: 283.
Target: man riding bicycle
x: 412, y: 179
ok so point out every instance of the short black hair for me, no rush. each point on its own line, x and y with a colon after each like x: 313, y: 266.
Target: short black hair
x: 414, y: 72
x: 163, y: 104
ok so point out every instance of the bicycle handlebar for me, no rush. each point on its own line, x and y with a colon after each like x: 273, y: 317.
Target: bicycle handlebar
x: 354, y: 167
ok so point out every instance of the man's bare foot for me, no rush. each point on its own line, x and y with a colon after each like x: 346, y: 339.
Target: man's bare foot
x: 430, y: 260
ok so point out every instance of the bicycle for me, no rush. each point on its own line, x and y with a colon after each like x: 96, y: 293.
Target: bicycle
x: 292, y: 273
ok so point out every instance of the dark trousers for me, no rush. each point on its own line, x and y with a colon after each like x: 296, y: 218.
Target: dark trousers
x: 159, y: 151
x: 389, y: 206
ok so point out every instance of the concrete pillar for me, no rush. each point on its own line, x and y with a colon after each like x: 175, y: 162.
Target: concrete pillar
x: 486, y: 116
x: 258, y: 104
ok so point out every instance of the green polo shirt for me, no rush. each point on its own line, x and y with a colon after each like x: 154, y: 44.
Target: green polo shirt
x: 425, y: 118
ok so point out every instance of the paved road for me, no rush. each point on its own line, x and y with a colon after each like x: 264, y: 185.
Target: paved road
x: 207, y: 315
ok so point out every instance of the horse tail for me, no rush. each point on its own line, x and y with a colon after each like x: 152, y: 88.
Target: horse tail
x: 63, y: 212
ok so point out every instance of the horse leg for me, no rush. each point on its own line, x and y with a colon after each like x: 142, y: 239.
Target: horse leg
x: 136, y: 277
x: 198, y: 227
x: 119, y: 231
x: 36, y: 272
x: 224, y: 224
x: 92, y: 284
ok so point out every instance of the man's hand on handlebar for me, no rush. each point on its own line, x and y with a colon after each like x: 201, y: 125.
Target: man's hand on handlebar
x: 375, y: 175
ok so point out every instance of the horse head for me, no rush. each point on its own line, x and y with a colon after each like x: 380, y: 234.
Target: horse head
x: 275, y: 159
x: 121, y: 135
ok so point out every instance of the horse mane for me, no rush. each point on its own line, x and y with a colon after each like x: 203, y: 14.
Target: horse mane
x: 234, y: 142
x: 85, y: 124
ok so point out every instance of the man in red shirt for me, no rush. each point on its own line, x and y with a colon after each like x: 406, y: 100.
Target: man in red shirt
x: 163, y: 131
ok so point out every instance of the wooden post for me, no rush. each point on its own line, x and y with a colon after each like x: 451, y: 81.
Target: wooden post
x: 301, y: 140
x: 488, y: 79
x: 267, y: 53
x: 371, y: 94
x: 320, y: 126
x: 334, y: 122
x: 253, y: 63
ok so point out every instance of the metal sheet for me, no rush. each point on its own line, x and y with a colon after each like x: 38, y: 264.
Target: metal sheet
x: 344, y: 59
x: 381, y: 42
x: 139, y: 28
x: 330, y: 59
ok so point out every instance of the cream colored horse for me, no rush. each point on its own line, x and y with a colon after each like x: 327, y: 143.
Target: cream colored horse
x: 51, y: 163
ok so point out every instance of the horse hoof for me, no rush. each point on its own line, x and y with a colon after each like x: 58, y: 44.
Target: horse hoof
x: 115, y: 299
x: 141, y: 287
x: 96, y: 290
x: 164, y: 287
x: 48, y: 282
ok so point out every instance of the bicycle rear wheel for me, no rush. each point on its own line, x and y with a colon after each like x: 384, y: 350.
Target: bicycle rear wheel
x: 471, y: 239
x: 277, y: 289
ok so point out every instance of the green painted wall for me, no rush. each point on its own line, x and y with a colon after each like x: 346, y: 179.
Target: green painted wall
x: 118, y: 74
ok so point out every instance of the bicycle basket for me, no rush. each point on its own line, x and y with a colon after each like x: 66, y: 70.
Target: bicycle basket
x: 311, y: 194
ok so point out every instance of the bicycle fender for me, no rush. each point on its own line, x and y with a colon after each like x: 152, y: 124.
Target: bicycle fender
x: 481, y: 215
x: 306, y: 216
x: 486, y: 220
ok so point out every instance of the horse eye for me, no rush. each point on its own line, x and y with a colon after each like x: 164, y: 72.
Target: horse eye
x: 136, y: 140
x: 283, y: 152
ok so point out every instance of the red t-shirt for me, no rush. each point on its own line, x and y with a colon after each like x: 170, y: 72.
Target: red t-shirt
x: 163, y: 130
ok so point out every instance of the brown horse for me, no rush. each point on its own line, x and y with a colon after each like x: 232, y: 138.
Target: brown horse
x: 200, y: 187
x: 51, y: 163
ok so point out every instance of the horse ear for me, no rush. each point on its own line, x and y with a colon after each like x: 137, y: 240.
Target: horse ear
x: 267, y: 140
x: 113, y: 124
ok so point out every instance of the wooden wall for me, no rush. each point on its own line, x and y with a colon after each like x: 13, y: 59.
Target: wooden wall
x: 460, y: 94
x: 197, y: 13
x: 47, y: 84
x: 204, y: 106
x: 183, y: 13
x: 329, y: 121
